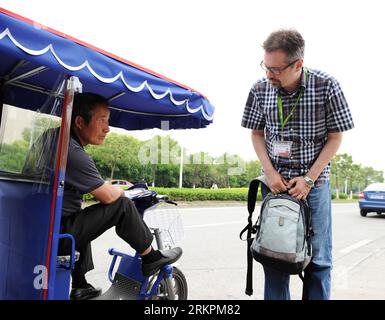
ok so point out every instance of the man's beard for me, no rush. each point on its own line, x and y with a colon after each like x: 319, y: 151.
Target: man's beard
x: 275, y: 83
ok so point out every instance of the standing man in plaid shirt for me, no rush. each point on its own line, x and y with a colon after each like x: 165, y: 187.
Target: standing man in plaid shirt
x: 297, y: 116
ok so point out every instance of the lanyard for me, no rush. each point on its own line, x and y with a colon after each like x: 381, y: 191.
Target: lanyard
x: 280, y: 108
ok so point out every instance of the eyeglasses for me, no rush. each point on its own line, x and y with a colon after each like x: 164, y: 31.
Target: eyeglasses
x: 275, y: 70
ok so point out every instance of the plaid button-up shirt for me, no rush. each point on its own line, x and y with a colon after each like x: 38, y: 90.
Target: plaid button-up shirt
x: 321, y: 109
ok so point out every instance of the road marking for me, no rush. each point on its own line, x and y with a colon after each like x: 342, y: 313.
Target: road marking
x: 340, y: 276
x: 355, y: 246
x: 214, y: 224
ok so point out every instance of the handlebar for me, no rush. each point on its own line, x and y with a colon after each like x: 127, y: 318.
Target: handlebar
x: 164, y: 198
x: 145, y: 198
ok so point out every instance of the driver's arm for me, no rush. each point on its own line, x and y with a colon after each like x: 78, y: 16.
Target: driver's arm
x: 107, y: 193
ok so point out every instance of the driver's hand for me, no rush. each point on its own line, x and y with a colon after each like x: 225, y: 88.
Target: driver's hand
x: 129, y: 184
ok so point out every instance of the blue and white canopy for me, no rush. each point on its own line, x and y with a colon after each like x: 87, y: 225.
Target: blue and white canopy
x: 34, y: 57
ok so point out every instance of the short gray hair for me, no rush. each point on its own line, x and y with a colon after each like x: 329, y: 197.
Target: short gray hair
x: 84, y: 104
x: 289, y: 41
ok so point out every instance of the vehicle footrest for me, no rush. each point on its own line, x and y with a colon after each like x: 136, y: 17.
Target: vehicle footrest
x: 122, y: 288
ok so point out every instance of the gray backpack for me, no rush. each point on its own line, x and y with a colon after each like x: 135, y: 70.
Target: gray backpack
x: 282, y: 233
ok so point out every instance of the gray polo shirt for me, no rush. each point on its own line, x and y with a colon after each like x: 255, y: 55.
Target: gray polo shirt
x: 81, y: 177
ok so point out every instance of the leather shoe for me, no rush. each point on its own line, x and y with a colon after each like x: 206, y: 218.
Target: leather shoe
x: 168, y: 257
x: 85, y: 293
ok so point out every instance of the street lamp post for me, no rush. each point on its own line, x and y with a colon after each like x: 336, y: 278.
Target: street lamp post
x: 181, y: 168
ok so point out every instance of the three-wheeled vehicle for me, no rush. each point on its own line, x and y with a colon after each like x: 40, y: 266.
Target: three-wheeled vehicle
x: 41, y: 70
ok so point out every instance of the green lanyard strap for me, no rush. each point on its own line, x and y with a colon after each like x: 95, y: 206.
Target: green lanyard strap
x: 280, y: 107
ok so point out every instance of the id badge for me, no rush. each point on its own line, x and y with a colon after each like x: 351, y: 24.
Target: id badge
x: 282, y: 148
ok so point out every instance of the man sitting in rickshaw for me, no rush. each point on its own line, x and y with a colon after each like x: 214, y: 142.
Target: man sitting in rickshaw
x: 90, y: 125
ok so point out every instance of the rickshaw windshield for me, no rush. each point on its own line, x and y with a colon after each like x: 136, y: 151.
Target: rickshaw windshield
x: 30, y: 201
x: 29, y: 140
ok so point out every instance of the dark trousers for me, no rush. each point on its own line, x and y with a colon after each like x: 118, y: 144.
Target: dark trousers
x: 93, y: 221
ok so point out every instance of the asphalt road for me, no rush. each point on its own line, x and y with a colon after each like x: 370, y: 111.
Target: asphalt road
x: 214, y: 259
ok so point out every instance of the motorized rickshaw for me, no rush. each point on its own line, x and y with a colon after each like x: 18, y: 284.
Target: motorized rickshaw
x: 41, y: 70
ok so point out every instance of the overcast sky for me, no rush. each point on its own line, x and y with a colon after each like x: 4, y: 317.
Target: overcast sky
x: 215, y: 47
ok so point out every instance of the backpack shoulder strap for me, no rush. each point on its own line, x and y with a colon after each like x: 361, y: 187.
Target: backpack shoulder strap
x: 309, y: 233
x: 251, y: 201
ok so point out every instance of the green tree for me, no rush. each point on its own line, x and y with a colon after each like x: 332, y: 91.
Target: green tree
x: 118, y: 153
x: 252, y: 170
x: 12, y: 156
x: 199, y: 171
x: 160, y: 157
x: 341, y: 166
x: 371, y: 176
x: 357, y: 177
x: 42, y: 123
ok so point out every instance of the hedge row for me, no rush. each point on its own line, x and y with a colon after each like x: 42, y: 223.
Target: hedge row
x: 200, y: 194
x: 235, y: 194
x: 344, y: 196
x: 187, y: 194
